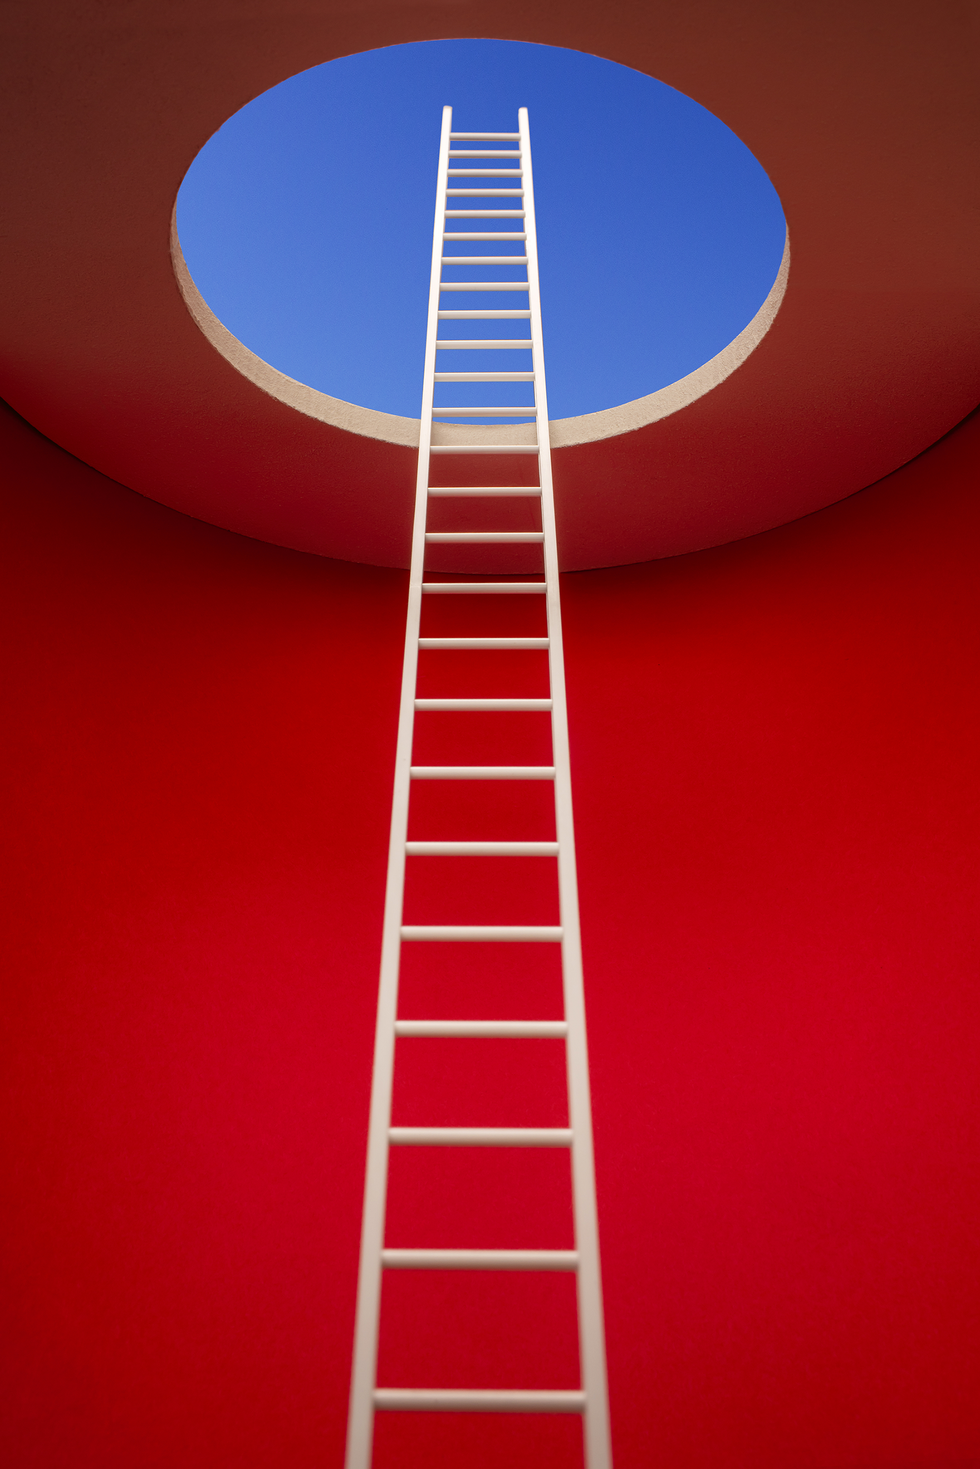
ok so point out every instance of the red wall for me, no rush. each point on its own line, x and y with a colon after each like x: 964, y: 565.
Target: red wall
x: 776, y: 792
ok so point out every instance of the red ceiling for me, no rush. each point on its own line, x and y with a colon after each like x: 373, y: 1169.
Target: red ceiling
x: 863, y: 115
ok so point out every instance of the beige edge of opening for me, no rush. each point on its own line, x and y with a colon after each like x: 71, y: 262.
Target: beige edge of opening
x: 586, y: 428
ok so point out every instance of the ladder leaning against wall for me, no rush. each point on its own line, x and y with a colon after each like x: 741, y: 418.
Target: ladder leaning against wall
x: 590, y: 1399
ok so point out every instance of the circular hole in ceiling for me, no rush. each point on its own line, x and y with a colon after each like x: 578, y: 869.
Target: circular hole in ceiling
x: 306, y: 220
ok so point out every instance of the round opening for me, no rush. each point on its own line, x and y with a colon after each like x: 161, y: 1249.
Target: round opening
x: 305, y: 223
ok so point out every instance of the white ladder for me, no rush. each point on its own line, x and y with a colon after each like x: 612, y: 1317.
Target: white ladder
x: 591, y: 1399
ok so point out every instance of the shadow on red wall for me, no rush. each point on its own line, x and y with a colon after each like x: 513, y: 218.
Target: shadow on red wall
x: 776, y: 801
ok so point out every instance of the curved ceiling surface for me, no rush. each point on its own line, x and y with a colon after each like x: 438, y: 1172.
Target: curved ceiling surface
x: 862, y: 116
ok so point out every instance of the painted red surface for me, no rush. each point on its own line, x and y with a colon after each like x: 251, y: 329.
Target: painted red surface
x: 776, y: 799
x: 863, y: 115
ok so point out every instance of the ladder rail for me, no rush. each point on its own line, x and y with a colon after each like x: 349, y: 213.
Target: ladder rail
x: 592, y: 1347
x: 360, y: 1429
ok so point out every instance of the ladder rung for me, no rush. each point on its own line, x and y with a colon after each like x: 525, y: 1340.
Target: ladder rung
x: 477, y: 490
x: 484, y: 213
x: 480, y: 1259
x: 484, y: 259
x: 484, y: 193
x: 495, y: 1029
x: 479, y: 344
x: 487, y: 933
x: 483, y: 377
x: 484, y: 588
x: 535, y: 705
x: 481, y: 137
x: 484, y: 153
x: 484, y: 286
x: 484, y: 537
x: 483, y: 448
x: 493, y: 235
x: 486, y: 173
x: 525, y: 643
x: 481, y: 1137
x: 464, y: 411
x: 484, y: 316
x: 477, y: 1400
x: 481, y: 849
x: 482, y: 772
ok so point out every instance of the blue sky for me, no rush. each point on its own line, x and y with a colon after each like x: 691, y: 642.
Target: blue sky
x: 306, y: 221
